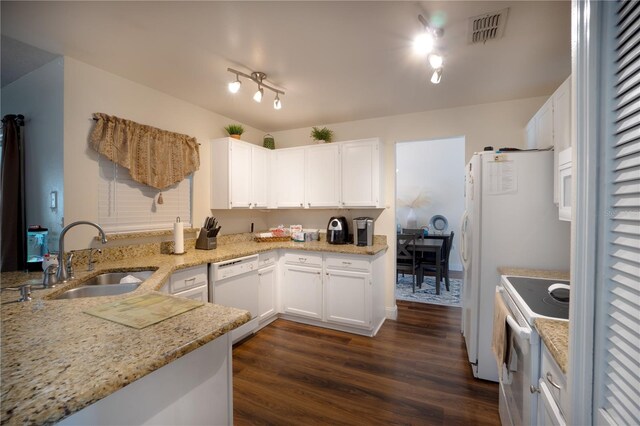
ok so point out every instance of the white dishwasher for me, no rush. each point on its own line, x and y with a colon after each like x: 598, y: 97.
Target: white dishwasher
x: 235, y: 283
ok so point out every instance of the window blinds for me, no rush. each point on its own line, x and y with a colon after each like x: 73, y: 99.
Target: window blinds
x: 617, y: 368
x: 125, y: 205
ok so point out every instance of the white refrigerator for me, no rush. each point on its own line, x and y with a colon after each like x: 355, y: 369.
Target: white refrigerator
x: 510, y: 220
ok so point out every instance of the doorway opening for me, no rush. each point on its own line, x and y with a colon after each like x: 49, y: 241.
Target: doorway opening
x: 430, y: 205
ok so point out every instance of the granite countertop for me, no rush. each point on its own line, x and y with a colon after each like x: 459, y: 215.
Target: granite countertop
x: 554, y: 333
x: 57, y: 360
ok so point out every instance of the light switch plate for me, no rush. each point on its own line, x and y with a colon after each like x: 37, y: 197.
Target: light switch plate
x: 53, y: 200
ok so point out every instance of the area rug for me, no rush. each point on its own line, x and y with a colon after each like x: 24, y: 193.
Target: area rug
x: 427, y: 294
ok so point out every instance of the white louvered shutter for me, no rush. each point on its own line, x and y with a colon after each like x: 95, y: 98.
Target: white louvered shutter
x: 617, y: 357
x: 125, y: 205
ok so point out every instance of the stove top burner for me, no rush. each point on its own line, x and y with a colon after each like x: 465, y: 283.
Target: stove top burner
x: 535, y: 293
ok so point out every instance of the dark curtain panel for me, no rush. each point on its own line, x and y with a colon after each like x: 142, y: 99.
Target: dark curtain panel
x: 13, y: 237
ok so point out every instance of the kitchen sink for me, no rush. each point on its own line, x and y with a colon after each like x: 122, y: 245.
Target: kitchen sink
x: 106, y: 284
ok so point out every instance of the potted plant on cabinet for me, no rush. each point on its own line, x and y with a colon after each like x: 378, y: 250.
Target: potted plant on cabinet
x: 234, y: 130
x: 321, y: 135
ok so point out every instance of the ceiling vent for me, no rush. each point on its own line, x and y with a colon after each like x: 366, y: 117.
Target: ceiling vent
x: 489, y: 26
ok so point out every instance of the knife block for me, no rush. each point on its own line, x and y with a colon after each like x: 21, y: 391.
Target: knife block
x: 206, y: 243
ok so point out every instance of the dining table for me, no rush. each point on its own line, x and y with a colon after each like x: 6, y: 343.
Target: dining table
x: 430, y: 245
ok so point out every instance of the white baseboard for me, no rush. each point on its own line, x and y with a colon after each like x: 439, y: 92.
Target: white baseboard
x: 391, y: 312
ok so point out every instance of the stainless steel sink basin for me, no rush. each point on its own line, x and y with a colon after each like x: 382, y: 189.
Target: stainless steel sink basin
x: 107, y: 284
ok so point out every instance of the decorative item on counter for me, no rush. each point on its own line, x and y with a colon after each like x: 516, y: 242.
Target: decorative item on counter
x: 295, y: 228
x: 269, y: 142
x: 321, y: 135
x: 178, y: 237
x: 234, y: 130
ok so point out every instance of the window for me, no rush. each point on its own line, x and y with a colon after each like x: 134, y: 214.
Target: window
x: 125, y: 205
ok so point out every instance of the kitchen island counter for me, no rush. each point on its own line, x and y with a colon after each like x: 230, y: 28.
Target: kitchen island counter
x: 57, y: 360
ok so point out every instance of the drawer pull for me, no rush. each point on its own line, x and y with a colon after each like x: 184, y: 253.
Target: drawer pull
x: 551, y: 382
x: 346, y: 263
x: 302, y: 259
x: 193, y: 279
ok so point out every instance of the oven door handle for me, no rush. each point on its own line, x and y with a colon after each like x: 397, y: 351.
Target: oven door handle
x: 522, y: 333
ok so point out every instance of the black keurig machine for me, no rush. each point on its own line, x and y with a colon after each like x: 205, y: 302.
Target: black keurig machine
x: 338, y: 230
x: 363, y: 231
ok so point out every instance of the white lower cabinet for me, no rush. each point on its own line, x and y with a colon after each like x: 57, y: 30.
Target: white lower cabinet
x: 348, y: 298
x: 267, y: 292
x: 302, y: 291
x: 334, y: 291
x: 192, y: 283
x: 553, y: 401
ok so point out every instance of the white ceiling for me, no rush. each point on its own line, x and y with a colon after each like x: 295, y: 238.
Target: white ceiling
x: 336, y: 61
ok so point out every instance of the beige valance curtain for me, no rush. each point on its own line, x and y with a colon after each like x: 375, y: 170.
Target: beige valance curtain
x: 154, y: 157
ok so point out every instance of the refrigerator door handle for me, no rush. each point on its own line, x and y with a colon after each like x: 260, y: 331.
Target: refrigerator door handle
x: 463, y: 245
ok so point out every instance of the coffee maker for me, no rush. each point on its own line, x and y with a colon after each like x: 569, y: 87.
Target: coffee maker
x: 363, y: 231
x: 338, y: 230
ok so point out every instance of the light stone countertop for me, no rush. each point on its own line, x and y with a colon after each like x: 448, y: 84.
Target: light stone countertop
x: 56, y: 360
x: 554, y: 333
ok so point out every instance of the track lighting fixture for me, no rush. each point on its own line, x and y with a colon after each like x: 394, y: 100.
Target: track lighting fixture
x: 425, y: 43
x: 258, y: 78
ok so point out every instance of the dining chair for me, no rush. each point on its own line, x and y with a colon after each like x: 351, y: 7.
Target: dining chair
x: 428, y: 265
x: 419, y: 233
x: 406, y: 256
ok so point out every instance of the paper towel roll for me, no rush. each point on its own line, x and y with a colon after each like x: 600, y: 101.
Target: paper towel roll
x: 178, y: 237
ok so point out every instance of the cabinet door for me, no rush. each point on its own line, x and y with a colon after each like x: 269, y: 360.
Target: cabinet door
x: 290, y: 176
x: 531, y: 134
x: 348, y: 298
x: 259, y: 177
x: 200, y: 294
x: 302, y: 291
x: 267, y: 292
x: 240, y: 175
x: 544, y: 125
x: 322, y: 180
x: 361, y: 173
x: 548, y: 412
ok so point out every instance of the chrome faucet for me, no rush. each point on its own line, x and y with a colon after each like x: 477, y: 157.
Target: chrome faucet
x: 63, y: 274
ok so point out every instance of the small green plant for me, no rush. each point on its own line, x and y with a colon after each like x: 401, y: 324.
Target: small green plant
x: 234, y: 129
x: 323, y: 134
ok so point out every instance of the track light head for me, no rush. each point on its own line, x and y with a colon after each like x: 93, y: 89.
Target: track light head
x: 258, y: 95
x: 435, y: 61
x: 436, y: 76
x: 234, y: 86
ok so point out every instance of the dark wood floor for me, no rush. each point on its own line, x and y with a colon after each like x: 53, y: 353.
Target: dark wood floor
x: 413, y: 372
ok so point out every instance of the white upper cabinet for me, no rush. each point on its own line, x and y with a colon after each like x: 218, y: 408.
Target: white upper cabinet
x: 540, y: 128
x: 289, y: 170
x: 561, y: 129
x: 322, y: 178
x: 361, y: 173
x: 342, y: 174
x: 239, y: 174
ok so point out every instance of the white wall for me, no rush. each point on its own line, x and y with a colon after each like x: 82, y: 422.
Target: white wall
x: 39, y: 97
x: 87, y: 90
x: 430, y: 177
x: 498, y: 124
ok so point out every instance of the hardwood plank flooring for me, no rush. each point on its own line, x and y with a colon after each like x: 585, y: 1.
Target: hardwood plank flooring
x: 413, y: 372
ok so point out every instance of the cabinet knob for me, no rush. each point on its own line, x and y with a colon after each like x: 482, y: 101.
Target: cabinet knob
x: 301, y: 205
